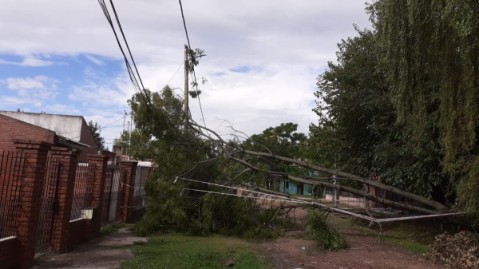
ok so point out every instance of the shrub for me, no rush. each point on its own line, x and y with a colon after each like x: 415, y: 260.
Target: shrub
x: 325, y: 236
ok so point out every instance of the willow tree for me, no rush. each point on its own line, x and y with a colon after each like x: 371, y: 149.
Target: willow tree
x: 431, y: 49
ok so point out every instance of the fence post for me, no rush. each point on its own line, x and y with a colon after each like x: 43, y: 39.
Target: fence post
x: 30, y: 200
x: 128, y: 169
x: 100, y: 164
x: 68, y: 160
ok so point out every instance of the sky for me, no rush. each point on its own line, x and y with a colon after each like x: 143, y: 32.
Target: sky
x: 260, y: 70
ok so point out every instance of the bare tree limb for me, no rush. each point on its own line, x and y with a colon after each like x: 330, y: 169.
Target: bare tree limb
x: 340, y: 188
x: 436, y: 205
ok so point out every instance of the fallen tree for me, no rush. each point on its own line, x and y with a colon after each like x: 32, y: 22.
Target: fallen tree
x: 236, y: 153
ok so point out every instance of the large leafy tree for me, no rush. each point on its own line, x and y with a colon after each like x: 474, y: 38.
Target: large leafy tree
x: 431, y: 51
x: 136, y: 144
x: 353, y: 106
x: 403, y: 100
x: 283, y: 140
x: 181, y: 153
x: 358, y: 129
x: 159, y: 118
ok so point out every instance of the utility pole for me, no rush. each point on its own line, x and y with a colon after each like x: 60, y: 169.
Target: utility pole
x: 129, y: 132
x: 185, y: 98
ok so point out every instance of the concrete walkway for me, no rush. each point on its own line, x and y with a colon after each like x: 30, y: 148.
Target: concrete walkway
x: 107, y: 252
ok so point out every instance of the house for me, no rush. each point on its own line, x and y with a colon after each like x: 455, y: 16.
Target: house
x: 72, y: 131
x: 295, y: 188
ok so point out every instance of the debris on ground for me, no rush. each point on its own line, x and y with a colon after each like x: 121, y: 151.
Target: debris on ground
x: 460, y: 250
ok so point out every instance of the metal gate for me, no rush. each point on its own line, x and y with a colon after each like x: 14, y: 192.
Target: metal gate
x: 50, y: 205
x: 112, y: 194
x: 12, y: 168
x: 83, y: 190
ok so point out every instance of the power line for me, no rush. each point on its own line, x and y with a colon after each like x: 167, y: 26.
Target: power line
x: 184, y: 25
x: 193, y: 67
x: 126, y: 43
x: 111, y: 123
x: 131, y: 73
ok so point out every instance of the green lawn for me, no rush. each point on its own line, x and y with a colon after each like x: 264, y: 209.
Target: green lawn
x: 174, y: 251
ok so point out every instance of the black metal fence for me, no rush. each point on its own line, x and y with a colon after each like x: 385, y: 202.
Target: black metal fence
x: 112, y: 194
x: 12, y: 167
x: 83, y: 191
x: 139, y: 194
x: 50, y: 204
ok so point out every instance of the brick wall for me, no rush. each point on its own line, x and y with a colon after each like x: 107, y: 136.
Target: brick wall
x: 11, y: 129
x: 30, y: 201
x: 127, y: 189
x: 66, y: 183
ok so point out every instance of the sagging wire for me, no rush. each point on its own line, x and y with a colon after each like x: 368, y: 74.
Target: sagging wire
x: 274, y: 197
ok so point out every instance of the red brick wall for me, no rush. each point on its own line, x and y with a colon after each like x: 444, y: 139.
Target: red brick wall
x: 127, y: 188
x: 30, y: 201
x: 12, y: 129
x: 67, y: 159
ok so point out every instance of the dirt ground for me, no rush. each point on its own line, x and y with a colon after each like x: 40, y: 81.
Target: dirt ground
x: 365, y: 252
x: 289, y: 252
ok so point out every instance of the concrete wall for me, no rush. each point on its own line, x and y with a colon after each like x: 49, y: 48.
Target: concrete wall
x: 64, y: 125
x: 73, y: 128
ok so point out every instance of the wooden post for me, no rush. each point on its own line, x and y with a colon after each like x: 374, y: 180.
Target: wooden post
x: 185, y: 98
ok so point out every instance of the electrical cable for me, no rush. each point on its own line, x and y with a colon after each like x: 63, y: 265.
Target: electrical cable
x: 378, y: 221
x: 126, y: 43
x: 193, y: 67
x: 131, y: 73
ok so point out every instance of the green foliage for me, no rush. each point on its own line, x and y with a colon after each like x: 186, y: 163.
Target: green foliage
x: 357, y: 129
x: 234, y: 217
x: 95, y: 131
x: 282, y: 140
x: 175, y: 251
x: 161, y: 135
x: 110, y: 228
x: 135, y: 144
x: 403, y: 99
x: 431, y: 52
x: 353, y: 107
x: 326, y: 236
x: 468, y: 191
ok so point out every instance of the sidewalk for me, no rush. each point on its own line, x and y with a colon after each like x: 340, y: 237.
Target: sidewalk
x: 106, y: 252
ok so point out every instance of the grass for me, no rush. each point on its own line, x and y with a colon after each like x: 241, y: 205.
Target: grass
x: 176, y: 251
x: 111, y: 228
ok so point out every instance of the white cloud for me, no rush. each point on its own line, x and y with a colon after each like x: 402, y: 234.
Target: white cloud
x: 101, y: 91
x: 29, y: 61
x: 26, y: 83
x: 286, y: 44
x: 34, y: 92
x: 95, y: 60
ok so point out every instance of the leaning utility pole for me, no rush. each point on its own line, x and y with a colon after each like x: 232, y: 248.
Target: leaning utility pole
x: 185, y: 98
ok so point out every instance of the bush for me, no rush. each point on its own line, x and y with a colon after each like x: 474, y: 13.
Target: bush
x: 325, y: 236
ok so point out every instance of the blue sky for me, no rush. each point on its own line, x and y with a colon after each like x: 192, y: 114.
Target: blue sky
x: 263, y: 57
